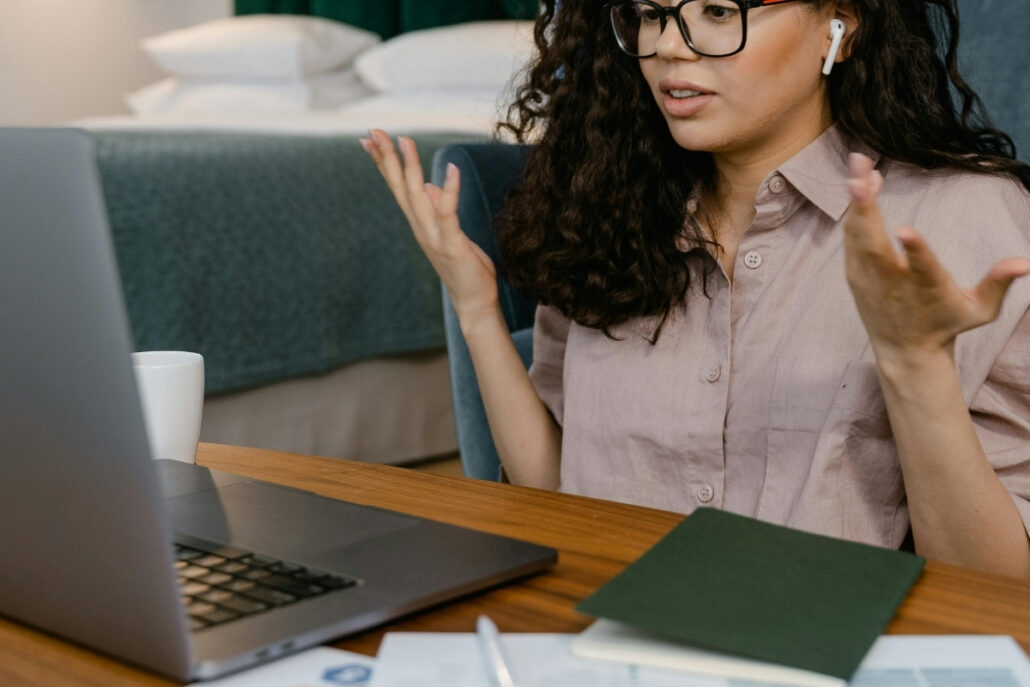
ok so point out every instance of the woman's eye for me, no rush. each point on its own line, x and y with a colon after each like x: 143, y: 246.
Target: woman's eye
x: 720, y: 12
x: 648, y: 15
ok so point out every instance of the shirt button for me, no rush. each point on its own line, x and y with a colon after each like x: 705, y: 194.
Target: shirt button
x: 705, y: 493
x: 713, y: 373
x: 777, y: 184
x: 753, y: 259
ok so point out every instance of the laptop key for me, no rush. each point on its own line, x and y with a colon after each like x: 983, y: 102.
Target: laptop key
x: 243, y: 605
x: 196, y: 623
x: 259, y: 560
x: 200, y: 608
x: 219, y: 615
x: 255, y: 573
x: 208, y: 561
x: 183, y: 553
x: 193, y: 571
x: 234, y: 567
x: 333, y: 581
x: 270, y: 596
x: 193, y: 588
x: 216, y: 596
x: 291, y: 586
x: 215, y: 578
x: 230, y: 552
x: 283, y: 567
x: 239, y: 585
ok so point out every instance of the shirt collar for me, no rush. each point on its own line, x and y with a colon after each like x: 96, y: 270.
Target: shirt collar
x: 820, y: 171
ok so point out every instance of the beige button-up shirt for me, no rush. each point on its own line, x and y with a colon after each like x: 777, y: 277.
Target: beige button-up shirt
x: 763, y: 398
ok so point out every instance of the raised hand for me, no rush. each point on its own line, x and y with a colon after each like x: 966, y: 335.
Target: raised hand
x: 910, y: 305
x: 465, y: 270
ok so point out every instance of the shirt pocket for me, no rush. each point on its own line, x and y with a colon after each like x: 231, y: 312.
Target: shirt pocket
x: 834, y: 469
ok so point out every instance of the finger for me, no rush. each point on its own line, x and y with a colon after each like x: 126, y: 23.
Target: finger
x: 863, y: 226
x: 385, y: 157
x: 415, y: 179
x: 434, y: 192
x: 449, y: 197
x: 445, y: 200
x: 990, y: 293
x: 922, y: 263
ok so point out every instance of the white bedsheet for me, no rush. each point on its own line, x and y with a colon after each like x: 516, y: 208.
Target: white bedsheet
x: 414, y: 112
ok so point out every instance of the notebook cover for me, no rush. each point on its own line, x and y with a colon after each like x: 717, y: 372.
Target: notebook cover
x: 729, y: 583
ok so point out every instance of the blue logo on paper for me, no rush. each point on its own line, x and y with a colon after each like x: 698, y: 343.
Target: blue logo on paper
x: 352, y: 674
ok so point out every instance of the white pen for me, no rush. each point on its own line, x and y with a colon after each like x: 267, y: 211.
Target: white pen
x: 497, y: 665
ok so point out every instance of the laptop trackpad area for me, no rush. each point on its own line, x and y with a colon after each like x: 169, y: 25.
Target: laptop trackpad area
x: 279, y: 521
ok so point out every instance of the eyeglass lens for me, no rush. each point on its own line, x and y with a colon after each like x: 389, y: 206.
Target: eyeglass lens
x: 713, y: 27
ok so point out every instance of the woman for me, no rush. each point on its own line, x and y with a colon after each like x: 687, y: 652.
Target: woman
x: 726, y: 320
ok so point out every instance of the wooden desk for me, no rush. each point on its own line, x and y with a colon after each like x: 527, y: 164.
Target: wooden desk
x: 596, y: 539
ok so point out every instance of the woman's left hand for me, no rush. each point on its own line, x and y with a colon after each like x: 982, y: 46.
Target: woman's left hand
x: 910, y: 305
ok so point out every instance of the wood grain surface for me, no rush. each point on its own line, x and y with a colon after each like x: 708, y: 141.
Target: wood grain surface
x: 595, y: 539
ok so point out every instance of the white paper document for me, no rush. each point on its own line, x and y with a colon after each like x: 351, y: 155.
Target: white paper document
x: 545, y: 660
x: 320, y: 667
x: 426, y: 659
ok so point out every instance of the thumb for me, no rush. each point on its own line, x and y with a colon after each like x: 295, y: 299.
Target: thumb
x: 484, y: 258
x: 990, y: 293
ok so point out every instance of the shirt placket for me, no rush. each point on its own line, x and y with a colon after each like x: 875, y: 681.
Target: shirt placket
x: 761, y: 251
x: 759, y: 257
x: 713, y: 379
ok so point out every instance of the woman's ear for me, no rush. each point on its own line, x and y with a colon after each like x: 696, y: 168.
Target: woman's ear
x: 846, y: 12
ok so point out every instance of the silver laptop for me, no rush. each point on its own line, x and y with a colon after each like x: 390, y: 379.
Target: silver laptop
x: 188, y: 572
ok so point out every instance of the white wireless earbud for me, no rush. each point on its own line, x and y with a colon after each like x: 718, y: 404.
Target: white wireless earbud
x: 837, y: 30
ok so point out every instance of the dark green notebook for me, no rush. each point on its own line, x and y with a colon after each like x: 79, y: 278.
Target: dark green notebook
x: 733, y: 584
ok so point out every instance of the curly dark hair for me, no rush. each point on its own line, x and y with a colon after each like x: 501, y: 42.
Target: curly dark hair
x: 594, y: 228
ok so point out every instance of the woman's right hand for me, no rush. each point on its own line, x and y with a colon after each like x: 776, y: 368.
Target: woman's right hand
x: 465, y: 270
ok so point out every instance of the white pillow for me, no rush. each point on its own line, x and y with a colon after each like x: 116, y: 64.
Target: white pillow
x: 475, y: 54
x: 258, y: 45
x: 251, y: 98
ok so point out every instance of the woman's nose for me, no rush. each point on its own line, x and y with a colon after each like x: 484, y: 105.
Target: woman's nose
x: 672, y: 44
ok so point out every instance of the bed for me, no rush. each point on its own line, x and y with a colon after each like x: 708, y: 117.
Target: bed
x: 270, y: 245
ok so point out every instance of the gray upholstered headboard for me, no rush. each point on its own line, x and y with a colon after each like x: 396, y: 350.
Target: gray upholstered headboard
x: 994, y: 58
x: 391, y: 17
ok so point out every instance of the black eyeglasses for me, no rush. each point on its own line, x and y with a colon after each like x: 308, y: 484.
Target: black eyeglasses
x: 713, y: 28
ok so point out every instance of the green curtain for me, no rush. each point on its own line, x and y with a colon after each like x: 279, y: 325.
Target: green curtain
x: 390, y: 17
x: 272, y: 7
x: 374, y: 15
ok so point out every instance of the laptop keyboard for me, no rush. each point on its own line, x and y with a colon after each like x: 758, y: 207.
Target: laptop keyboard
x: 220, y: 584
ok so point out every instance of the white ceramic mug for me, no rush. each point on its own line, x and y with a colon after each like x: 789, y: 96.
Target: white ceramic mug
x: 171, y: 391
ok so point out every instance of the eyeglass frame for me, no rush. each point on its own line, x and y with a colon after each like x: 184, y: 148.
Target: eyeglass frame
x: 674, y: 11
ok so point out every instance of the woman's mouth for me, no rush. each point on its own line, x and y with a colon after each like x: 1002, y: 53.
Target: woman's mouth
x: 681, y: 98
x: 682, y: 102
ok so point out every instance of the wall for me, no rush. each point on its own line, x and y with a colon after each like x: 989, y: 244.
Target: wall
x: 63, y: 59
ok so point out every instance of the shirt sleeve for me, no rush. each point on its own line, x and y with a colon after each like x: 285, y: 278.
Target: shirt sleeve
x: 550, y: 332
x: 1001, y: 416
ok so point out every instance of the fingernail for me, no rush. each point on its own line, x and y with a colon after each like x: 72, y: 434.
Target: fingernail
x: 452, y: 171
x: 366, y: 144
